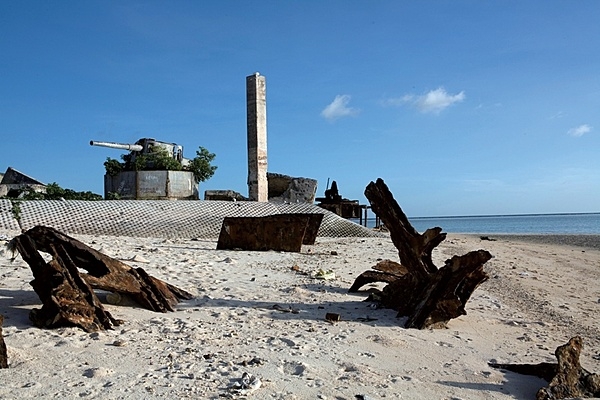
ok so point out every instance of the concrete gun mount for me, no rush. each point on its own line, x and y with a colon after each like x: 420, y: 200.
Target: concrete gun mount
x: 146, y: 146
x: 149, y: 183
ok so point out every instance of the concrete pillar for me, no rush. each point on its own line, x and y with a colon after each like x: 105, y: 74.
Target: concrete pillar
x: 256, y: 112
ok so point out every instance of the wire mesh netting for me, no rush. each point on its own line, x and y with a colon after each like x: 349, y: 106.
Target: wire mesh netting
x: 157, y: 218
x: 7, y: 216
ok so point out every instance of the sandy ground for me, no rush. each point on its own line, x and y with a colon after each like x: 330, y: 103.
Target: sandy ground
x: 263, y: 313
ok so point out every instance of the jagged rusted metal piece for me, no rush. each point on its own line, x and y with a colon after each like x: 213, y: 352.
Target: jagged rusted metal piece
x: 67, y: 295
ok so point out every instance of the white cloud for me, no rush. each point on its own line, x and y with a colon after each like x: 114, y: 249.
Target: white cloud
x: 436, y: 100
x: 339, y: 108
x: 433, y: 101
x: 579, y: 130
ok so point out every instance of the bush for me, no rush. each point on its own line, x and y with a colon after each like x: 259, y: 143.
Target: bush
x: 113, y: 167
x: 55, y: 192
x: 158, y: 160
x: 113, y: 196
x: 200, y: 165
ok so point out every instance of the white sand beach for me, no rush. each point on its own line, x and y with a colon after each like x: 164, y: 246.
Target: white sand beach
x: 263, y: 313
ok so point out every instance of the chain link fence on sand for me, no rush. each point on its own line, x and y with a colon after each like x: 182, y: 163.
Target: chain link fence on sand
x: 156, y: 218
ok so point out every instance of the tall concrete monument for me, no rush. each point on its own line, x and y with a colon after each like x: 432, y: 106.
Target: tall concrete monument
x: 256, y: 112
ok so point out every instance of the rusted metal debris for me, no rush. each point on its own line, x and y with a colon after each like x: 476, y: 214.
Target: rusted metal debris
x: 416, y: 288
x: 335, y: 203
x: 333, y: 317
x: 67, y: 295
x: 567, y: 379
x: 279, y: 232
x: 312, y: 228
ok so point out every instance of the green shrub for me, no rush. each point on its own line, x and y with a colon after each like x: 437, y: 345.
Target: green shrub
x: 16, y: 209
x: 200, y: 165
x: 113, y: 167
x: 55, y: 192
x: 113, y: 196
x: 158, y: 159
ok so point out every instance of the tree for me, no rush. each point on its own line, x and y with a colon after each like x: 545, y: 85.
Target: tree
x: 200, y: 165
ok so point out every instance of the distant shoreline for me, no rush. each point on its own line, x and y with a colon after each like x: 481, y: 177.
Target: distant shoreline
x: 534, y: 224
x: 506, y: 215
x: 576, y: 240
x: 496, y: 215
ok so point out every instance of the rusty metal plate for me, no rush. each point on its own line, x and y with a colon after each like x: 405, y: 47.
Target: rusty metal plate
x: 280, y: 232
x: 312, y: 228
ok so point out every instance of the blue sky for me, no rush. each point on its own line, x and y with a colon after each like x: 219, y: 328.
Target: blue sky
x: 462, y: 107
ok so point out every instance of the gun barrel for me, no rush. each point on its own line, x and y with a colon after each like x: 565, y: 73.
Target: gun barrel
x: 121, y: 146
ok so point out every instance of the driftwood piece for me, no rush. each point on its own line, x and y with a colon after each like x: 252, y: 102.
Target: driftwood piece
x: 385, y: 271
x: 567, y: 379
x: 428, y: 296
x: 67, y: 295
x: 3, y: 353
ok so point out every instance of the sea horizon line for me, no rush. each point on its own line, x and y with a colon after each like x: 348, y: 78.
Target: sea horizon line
x: 501, y: 215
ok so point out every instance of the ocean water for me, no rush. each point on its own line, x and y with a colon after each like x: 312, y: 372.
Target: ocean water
x: 557, y: 224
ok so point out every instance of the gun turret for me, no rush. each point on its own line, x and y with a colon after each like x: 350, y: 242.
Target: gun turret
x: 147, y: 171
x: 121, y: 146
x: 146, y: 146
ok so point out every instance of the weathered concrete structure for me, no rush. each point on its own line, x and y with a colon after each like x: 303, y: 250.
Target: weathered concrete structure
x: 256, y: 112
x: 281, y: 189
x: 224, y: 195
x: 151, y: 185
x: 288, y: 189
x: 13, y: 183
